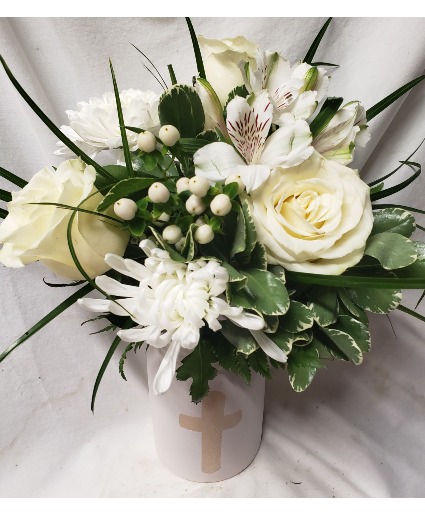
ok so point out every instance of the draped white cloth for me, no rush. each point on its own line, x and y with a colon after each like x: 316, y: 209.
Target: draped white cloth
x: 356, y: 432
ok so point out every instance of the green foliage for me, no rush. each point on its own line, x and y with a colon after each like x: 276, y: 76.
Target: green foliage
x: 327, y: 112
x: 375, y: 300
x: 259, y: 362
x: 298, y: 317
x: 241, y: 338
x: 315, y: 45
x: 181, y: 106
x: 401, y: 185
x: 324, y: 305
x: 393, y: 220
x: 391, y: 249
x: 196, y: 49
x: 197, y: 366
x: 302, y: 366
x: 123, y: 189
x: 6, y: 196
x: 11, y: 177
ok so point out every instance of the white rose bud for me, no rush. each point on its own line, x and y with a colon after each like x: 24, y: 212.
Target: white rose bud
x: 235, y: 178
x: 146, y: 141
x: 199, y: 186
x: 172, y: 234
x: 158, y: 193
x: 221, y: 205
x: 195, y: 205
x: 125, y: 208
x: 182, y: 184
x: 180, y: 244
x: 169, y: 135
x: 204, y: 234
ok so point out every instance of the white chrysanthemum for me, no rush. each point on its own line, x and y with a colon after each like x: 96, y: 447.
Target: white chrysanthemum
x: 94, y: 126
x: 172, y: 302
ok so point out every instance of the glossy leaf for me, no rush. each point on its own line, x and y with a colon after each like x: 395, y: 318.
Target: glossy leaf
x: 241, y: 338
x: 379, y: 301
x: 298, y: 317
x: 323, y: 303
x: 393, y: 220
x: 124, y: 189
x: 391, y: 249
x: 345, y: 343
x: 315, y: 45
x: 302, y: 366
x: 356, y: 329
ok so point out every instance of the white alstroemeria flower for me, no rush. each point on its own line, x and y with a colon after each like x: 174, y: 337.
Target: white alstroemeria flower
x: 294, y: 92
x: 170, y: 305
x: 253, y: 155
x: 94, y: 126
x: 346, y: 129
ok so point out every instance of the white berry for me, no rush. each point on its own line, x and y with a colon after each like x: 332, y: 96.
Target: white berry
x: 158, y: 193
x: 204, y: 234
x: 236, y: 178
x: 182, y: 184
x: 195, y: 205
x: 180, y: 244
x: 146, y: 141
x: 221, y: 205
x: 199, y: 186
x: 172, y: 234
x: 125, y: 208
x: 200, y: 221
x: 169, y: 135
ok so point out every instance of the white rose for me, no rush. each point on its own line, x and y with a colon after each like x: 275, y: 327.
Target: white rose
x: 315, y: 217
x: 33, y: 232
x: 221, y: 59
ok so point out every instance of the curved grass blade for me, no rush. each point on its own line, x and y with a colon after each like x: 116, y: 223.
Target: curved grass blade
x: 398, y: 187
x: 387, y: 101
x: 78, y: 209
x: 328, y: 111
x: 407, y: 208
x: 126, y: 148
x: 172, y: 74
x: 11, y: 177
x: 56, y: 131
x: 6, y: 196
x: 420, y: 299
x: 410, y: 312
x: 196, y: 49
x: 48, y: 318
x: 3, y: 213
x: 106, y: 361
x: 402, y: 163
x: 319, y: 63
x: 354, y: 281
x: 155, y: 68
x: 315, y: 45
x: 62, y: 285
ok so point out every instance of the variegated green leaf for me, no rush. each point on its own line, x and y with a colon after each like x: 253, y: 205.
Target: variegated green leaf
x: 241, y: 338
x: 124, y: 189
x: 393, y: 220
x: 298, y: 317
x: 345, y: 343
x: 375, y: 300
x: 391, y: 249
x: 302, y: 367
x: 324, y: 305
x: 356, y: 329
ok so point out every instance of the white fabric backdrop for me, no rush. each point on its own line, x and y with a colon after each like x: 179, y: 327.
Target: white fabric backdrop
x: 357, y: 432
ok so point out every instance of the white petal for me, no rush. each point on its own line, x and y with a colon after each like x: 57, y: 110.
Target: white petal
x: 269, y: 347
x: 102, y: 306
x: 288, y: 146
x: 216, y: 161
x: 247, y: 320
x: 213, y: 109
x: 253, y: 176
x: 248, y: 125
x: 113, y: 287
x: 167, y: 370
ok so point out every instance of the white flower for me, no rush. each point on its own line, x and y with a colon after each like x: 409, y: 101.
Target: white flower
x: 294, y: 92
x: 95, y: 127
x: 346, y: 129
x: 254, y: 154
x: 171, y: 304
x: 315, y: 217
x: 221, y: 59
x: 34, y: 232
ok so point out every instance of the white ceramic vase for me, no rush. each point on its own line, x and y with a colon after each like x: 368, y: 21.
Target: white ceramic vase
x: 214, y: 439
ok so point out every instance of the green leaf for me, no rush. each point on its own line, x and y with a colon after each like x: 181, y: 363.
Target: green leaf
x: 324, y: 305
x: 400, y: 186
x: 387, y: 101
x: 345, y: 343
x: 181, y: 106
x: 172, y: 74
x: 47, y: 319
x: 375, y: 300
x: 129, y: 323
x: 259, y: 257
x: 416, y: 269
x: 241, y: 338
x: 239, y: 240
x: 236, y: 277
x: 302, y: 366
x: 250, y: 232
x: 377, y: 188
x: 189, y: 247
x: 191, y: 145
x: 225, y: 352
x: 356, y: 329
x: 196, y: 49
x: 327, y: 112
x: 315, y: 45
x: 197, y: 366
x: 117, y: 172
x: 285, y: 340
x: 391, y: 249
x: 392, y: 220
x: 298, y: 318
x: 6, y: 196
x: 319, y: 63
x: 174, y: 255
x: 123, y: 189
x: 3, y: 213
x: 407, y: 208
x: 56, y: 131
x: 123, y: 358
x: 11, y: 177
x: 126, y: 148
x: 150, y: 161
x: 408, y: 311
x: 264, y: 293
x: 231, y: 189
x: 349, y: 304
x: 259, y: 363
x: 137, y: 226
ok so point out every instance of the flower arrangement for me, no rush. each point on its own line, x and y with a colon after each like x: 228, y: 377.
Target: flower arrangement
x: 229, y: 230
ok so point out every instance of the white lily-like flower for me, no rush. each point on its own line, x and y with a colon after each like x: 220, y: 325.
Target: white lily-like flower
x: 95, y: 127
x: 346, y: 129
x: 294, y: 92
x: 253, y: 155
x: 172, y: 302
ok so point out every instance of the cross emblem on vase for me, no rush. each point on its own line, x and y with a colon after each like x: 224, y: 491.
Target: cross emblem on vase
x: 211, y: 425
